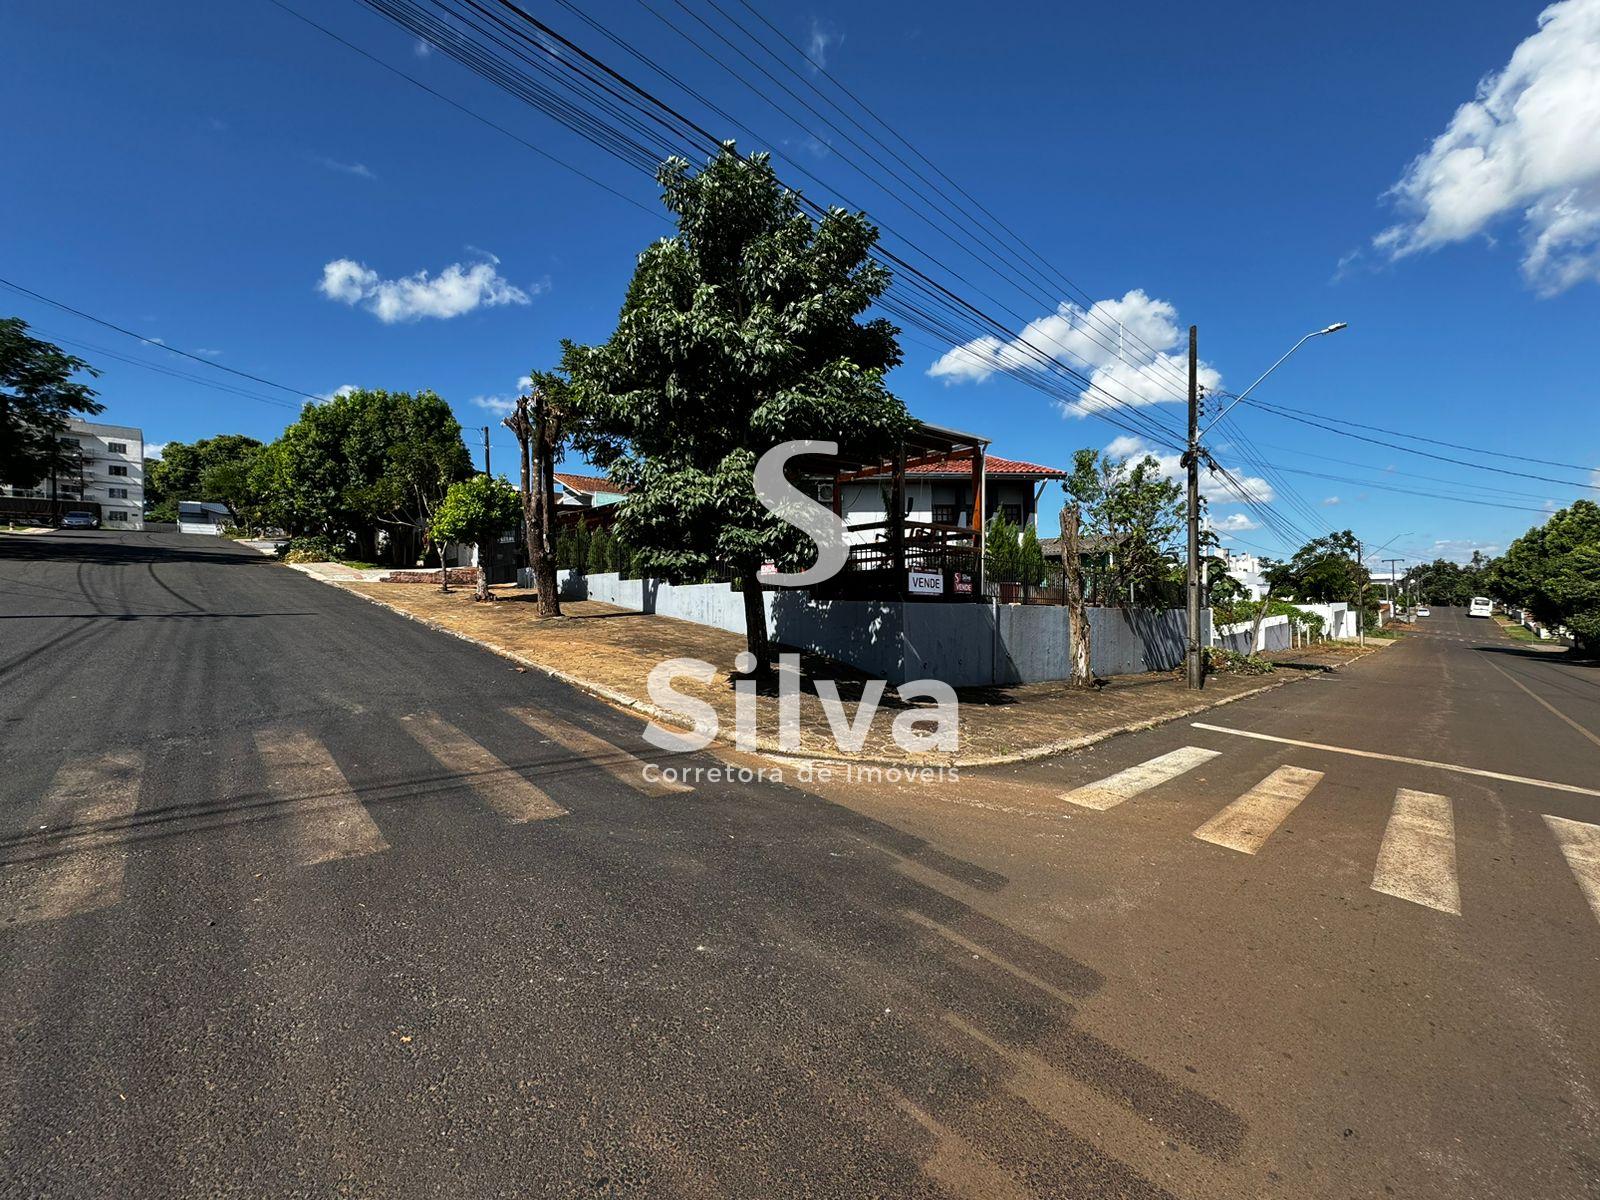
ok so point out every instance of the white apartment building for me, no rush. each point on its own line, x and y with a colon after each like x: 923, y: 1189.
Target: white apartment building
x: 107, y: 469
x: 1246, y: 570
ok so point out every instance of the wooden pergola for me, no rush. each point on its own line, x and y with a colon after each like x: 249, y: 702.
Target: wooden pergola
x: 926, y: 541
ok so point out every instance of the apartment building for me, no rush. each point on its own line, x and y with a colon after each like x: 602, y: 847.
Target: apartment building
x: 106, y: 467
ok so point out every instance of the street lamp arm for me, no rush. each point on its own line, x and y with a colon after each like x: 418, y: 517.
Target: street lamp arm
x: 1334, y: 328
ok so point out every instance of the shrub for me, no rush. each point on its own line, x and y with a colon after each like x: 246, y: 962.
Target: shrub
x: 308, y: 549
x: 1234, y: 663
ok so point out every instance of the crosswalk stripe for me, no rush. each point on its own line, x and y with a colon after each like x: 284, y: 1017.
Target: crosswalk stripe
x: 1114, y: 789
x: 1579, y: 842
x: 1417, y: 860
x: 324, y: 818
x: 615, y: 761
x: 1251, y: 819
x: 496, y: 784
x: 85, y: 871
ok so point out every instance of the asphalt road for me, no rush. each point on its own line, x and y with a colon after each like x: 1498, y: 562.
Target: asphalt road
x: 298, y: 897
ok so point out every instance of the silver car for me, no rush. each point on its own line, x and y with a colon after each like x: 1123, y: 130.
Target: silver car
x: 79, y: 519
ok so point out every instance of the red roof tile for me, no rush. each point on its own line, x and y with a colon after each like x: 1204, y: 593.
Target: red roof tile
x: 993, y: 464
x: 589, y: 483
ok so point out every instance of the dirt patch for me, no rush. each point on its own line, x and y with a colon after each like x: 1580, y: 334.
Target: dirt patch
x: 611, y: 652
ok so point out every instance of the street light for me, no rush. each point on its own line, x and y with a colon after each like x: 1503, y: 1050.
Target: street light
x: 1334, y: 328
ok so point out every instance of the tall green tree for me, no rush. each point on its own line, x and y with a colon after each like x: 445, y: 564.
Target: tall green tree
x: 1553, y: 570
x: 215, y: 469
x: 1136, y: 514
x: 1324, y: 570
x: 38, y: 395
x: 476, y: 511
x: 742, y: 330
x: 365, y: 462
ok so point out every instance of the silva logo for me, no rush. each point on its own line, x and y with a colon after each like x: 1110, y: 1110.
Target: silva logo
x: 792, y: 506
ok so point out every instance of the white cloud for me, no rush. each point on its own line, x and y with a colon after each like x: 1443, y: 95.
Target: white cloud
x: 154, y: 449
x: 422, y: 49
x: 205, y: 353
x: 504, y: 406
x: 1330, y: 501
x: 1128, y: 347
x: 822, y: 40
x: 455, y: 290
x: 1234, y: 523
x: 342, y: 390
x: 361, y: 170
x: 1526, y: 142
x: 1213, y: 487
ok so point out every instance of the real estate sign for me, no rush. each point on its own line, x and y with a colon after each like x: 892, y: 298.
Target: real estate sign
x: 925, y: 583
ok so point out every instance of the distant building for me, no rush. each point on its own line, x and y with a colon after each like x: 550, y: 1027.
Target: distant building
x: 105, y: 467
x: 1245, y: 568
x: 204, y: 517
x: 588, y: 491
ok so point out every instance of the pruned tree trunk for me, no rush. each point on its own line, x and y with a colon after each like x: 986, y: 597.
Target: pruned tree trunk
x: 532, y: 425
x: 482, y: 590
x: 1255, y: 626
x: 755, y: 621
x: 1078, y: 647
x: 444, y: 571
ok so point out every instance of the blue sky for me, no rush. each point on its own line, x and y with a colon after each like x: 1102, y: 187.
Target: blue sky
x: 238, y: 184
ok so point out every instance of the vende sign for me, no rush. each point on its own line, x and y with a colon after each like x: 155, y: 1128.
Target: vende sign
x: 963, y: 582
x: 925, y: 583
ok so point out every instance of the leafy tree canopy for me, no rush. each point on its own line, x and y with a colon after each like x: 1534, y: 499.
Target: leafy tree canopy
x: 1322, y: 571
x: 1554, y: 571
x: 1137, y: 514
x: 215, y: 469
x: 361, y: 462
x: 741, y: 331
x: 38, y: 395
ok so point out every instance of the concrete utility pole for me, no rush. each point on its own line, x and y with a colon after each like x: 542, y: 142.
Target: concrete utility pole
x: 486, y: 470
x: 1361, y: 597
x: 1195, y: 661
x: 1389, y: 588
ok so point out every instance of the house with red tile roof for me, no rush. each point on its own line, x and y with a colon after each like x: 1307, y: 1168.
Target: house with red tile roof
x: 587, y: 491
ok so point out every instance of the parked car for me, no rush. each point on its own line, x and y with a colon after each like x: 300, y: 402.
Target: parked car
x: 1480, y: 607
x: 1422, y: 612
x: 78, y: 519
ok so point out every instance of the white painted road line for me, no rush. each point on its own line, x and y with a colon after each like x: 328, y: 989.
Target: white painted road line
x: 1114, y: 789
x: 324, y: 819
x: 1251, y: 819
x: 618, y: 763
x: 84, y: 870
x: 1580, y: 846
x: 1537, y: 699
x: 1417, y: 861
x: 1400, y: 758
x: 496, y: 784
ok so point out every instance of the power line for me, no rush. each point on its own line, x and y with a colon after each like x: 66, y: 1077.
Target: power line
x: 409, y: 17
x: 1285, y: 410
x: 203, y: 361
x: 1413, y: 450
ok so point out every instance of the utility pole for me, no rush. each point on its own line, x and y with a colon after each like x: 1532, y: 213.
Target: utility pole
x: 1195, y: 661
x: 486, y: 470
x: 1390, y: 586
x: 1361, y: 597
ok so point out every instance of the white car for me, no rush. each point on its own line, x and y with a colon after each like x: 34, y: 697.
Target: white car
x: 1422, y: 612
x: 1480, y: 607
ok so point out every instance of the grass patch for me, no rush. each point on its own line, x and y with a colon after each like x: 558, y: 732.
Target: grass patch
x: 359, y: 564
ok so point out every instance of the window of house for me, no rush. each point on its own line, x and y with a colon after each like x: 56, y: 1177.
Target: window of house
x: 116, y: 514
x: 70, y: 441
x: 116, y: 470
x: 944, y: 514
x: 1012, y: 513
x: 117, y: 493
x: 117, y: 447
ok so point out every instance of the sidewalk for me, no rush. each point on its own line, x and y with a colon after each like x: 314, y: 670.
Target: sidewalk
x: 610, y: 652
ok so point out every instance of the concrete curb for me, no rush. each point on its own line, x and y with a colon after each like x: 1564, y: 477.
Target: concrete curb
x: 768, y: 748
